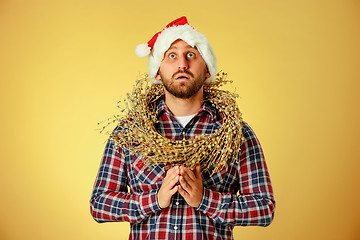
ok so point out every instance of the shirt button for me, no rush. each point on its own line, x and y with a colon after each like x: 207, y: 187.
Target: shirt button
x: 177, y: 203
x: 175, y: 227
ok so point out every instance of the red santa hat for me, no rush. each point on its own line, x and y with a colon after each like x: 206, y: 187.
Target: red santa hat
x: 161, y: 42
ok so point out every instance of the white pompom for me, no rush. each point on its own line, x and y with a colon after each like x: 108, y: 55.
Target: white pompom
x: 142, y: 50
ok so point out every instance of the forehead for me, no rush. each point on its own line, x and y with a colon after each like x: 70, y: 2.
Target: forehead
x: 180, y: 45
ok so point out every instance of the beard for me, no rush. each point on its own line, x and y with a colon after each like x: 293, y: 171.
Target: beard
x: 184, y: 89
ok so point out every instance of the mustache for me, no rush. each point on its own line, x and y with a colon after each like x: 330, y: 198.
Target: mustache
x: 183, y: 71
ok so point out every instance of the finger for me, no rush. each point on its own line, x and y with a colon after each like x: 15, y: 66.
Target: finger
x: 186, y: 171
x: 173, y: 170
x: 174, y: 181
x: 187, y: 179
x: 171, y: 182
x: 182, y: 192
x: 171, y: 174
x: 197, y: 171
x: 174, y: 190
x: 184, y: 184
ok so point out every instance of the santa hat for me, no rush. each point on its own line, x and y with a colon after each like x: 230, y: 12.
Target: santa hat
x: 161, y: 42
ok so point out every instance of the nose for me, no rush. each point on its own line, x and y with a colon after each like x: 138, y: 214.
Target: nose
x: 183, y: 63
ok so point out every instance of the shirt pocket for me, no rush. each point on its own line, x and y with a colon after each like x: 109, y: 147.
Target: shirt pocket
x: 151, y: 176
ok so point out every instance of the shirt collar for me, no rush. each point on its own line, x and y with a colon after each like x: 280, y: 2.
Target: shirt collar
x: 162, y: 108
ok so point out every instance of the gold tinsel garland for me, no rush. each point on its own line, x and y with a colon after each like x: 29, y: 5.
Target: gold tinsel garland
x: 138, y: 135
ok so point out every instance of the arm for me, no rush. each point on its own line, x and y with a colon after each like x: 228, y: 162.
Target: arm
x: 110, y: 200
x: 255, y: 205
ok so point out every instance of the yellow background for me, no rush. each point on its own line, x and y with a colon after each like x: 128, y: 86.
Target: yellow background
x: 64, y: 64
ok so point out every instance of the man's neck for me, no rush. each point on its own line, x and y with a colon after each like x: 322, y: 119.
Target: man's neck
x: 184, y: 107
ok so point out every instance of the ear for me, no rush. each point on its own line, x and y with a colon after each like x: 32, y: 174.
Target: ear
x: 207, y: 75
x: 157, y: 77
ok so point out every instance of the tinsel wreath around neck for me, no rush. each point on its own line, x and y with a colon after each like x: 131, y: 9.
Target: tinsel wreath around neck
x: 138, y: 135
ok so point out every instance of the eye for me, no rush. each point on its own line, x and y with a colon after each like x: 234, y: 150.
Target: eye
x: 190, y: 55
x: 172, y: 55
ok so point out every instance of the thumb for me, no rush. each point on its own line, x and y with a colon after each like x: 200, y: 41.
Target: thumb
x: 197, y: 171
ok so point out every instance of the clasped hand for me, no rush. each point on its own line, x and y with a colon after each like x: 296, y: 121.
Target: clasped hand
x: 190, y: 187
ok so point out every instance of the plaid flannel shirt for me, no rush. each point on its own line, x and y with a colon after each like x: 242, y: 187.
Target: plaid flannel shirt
x: 241, y: 194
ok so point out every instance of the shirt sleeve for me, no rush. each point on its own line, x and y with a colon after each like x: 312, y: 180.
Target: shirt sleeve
x: 110, y: 199
x: 254, y: 205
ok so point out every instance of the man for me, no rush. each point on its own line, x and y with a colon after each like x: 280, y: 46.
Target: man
x: 207, y: 175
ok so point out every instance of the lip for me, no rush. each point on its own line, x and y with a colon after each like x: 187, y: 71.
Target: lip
x: 182, y: 76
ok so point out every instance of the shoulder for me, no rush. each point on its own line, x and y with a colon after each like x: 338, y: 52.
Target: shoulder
x: 248, y: 132
x: 250, y: 138
x: 118, y: 133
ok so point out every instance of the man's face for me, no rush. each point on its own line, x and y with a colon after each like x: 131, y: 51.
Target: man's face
x: 183, y: 71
